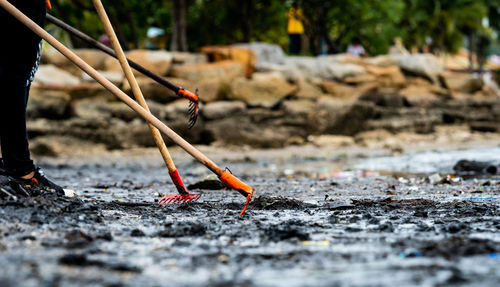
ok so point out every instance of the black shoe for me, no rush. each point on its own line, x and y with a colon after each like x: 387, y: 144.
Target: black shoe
x: 11, y: 188
x: 39, y: 184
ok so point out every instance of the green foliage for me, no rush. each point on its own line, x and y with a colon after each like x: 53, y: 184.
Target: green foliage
x: 376, y: 22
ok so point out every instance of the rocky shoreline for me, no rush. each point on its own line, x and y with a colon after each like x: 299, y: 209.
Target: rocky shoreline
x: 254, y: 95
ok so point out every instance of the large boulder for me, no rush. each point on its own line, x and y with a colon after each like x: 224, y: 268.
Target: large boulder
x: 153, y: 90
x: 337, y: 71
x: 308, y: 88
x: 263, y: 90
x: 322, y: 67
x: 50, y: 75
x: 461, y: 82
x: 95, y: 58
x: 114, y: 77
x: 266, y: 53
x: 423, y: 65
x: 340, y: 90
x: 390, y: 76
x: 158, y: 62
x: 89, y: 90
x: 245, y: 57
x: 185, y: 58
x: 382, y: 61
x: 224, y: 70
x: 222, y: 109
x: 49, y: 104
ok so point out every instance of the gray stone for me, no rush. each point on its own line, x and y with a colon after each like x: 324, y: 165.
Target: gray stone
x: 424, y: 65
x: 219, y: 110
x: 266, y: 53
x: 50, y: 75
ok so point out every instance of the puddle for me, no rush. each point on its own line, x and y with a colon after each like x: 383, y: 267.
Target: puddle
x: 428, y: 162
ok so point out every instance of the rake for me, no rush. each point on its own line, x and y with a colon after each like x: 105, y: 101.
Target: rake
x: 183, y: 195
x: 194, y: 99
x: 224, y: 175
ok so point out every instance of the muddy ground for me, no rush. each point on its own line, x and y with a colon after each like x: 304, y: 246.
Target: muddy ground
x: 318, y: 219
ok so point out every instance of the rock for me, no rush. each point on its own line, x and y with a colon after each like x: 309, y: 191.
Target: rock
x: 56, y: 145
x: 95, y: 58
x: 423, y: 65
x: 255, y: 129
x: 210, y: 90
x: 224, y: 70
x: 388, y: 76
x: 339, y: 71
x: 420, y: 96
x: 339, y: 90
x: 332, y: 141
x: 158, y: 62
x: 359, y: 79
x: 153, y: 90
x: 50, y: 75
x: 383, y: 98
x: 49, y: 104
x: 308, y: 89
x: 263, y: 90
x: 467, y: 167
x: 484, y: 126
x: 352, y: 119
x: 114, y: 77
x: 382, y: 61
x: 435, y: 178
x: 461, y: 82
x: 184, y: 58
x: 322, y: 67
x: 299, y: 108
x: 219, y: 110
x: 342, y: 58
x: 89, y: 90
x: 371, y: 138
x: 175, y: 110
x: 245, y: 57
x: 266, y: 53
x: 211, y: 182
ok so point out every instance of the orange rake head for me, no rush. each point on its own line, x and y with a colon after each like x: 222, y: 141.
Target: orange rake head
x: 194, y: 104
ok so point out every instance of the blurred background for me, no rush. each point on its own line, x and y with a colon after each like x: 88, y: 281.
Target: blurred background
x: 278, y: 73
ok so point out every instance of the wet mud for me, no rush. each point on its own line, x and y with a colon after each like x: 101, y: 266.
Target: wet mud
x: 302, y: 229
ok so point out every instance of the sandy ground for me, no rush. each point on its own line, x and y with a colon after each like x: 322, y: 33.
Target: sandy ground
x: 350, y: 216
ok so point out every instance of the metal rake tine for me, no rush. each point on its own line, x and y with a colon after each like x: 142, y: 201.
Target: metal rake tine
x: 193, y: 114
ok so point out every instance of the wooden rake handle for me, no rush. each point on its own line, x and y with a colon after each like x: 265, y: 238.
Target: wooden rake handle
x: 132, y: 81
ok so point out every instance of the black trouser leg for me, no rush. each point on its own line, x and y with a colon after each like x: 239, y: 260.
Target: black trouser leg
x: 19, y: 56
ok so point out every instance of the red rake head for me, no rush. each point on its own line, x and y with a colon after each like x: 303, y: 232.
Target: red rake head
x: 179, y: 198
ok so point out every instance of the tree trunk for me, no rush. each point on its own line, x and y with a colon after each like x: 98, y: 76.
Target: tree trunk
x: 246, y: 25
x: 179, y: 39
x: 119, y: 32
x: 130, y: 21
x: 471, y: 51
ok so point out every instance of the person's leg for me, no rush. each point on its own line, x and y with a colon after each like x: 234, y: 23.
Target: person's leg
x: 299, y: 44
x: 294, y: 44
x: 19, y: 55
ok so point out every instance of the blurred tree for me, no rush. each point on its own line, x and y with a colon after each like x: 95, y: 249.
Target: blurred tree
x: 179, y: 38
x: 443, y: 24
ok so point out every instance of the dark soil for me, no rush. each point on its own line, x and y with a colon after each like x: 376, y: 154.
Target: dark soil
x: 298, y: 231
